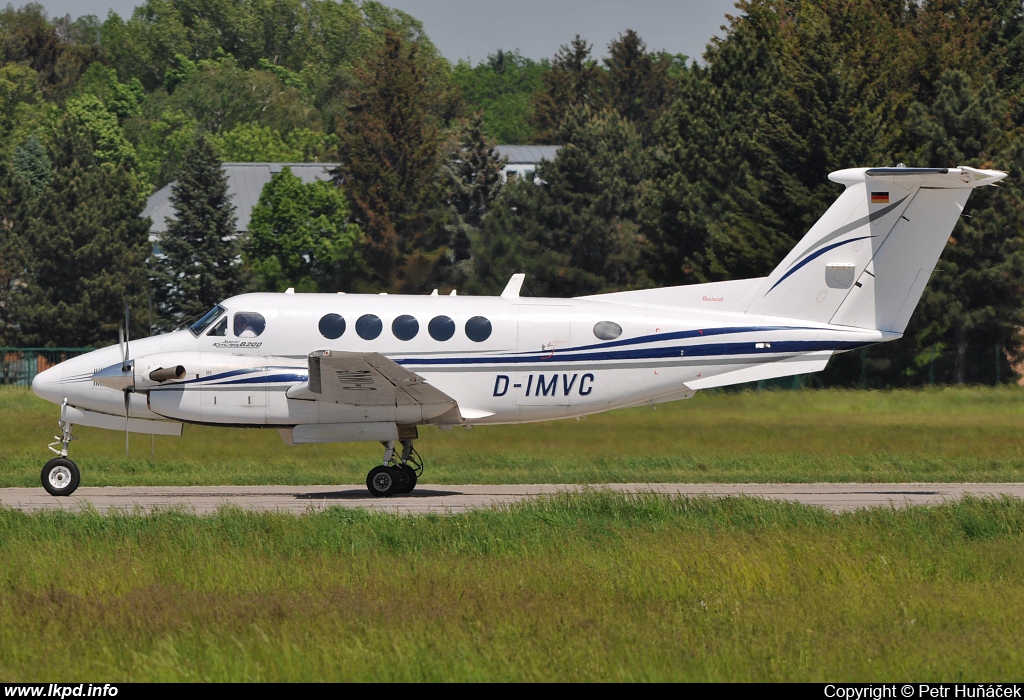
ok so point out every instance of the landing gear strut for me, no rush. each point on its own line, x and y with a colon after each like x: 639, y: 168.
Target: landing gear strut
x: 60, y: 476
x: 397, y: 475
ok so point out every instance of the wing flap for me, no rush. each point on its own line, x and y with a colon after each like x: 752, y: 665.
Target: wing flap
x: 370, y: 379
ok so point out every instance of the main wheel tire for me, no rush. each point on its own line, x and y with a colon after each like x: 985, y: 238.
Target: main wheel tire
x: 60, y: 477
x: 403, y: 479
x: 408, y: 481
x: 382, y: 482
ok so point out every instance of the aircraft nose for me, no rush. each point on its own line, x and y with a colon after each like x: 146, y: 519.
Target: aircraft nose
x: 46, y: 384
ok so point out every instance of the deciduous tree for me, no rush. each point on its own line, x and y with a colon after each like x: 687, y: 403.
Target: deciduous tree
x: 299, y: 236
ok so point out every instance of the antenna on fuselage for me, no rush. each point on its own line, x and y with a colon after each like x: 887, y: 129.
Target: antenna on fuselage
x: 515, y: 284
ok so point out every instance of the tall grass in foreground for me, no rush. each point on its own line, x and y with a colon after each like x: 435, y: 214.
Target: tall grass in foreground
x: 593, y: 586
x: 952, y: 434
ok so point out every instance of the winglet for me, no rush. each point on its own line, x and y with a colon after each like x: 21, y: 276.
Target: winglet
x: 515, y: 283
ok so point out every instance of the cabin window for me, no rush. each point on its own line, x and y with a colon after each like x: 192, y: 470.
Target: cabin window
x: 405, y: 327
x: 441, y: 328
x: 209, y: 317
x: 249, y: 324
x: 607, y: 330
x: 220, y: 330
x: 478, y: 329
x: 368, y: 327
x: 332, y: 326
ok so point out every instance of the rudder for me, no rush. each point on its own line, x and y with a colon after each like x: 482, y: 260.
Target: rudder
x: 866, y: 261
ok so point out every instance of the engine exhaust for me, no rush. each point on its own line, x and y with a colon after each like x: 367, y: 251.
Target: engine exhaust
x: 164, y: 374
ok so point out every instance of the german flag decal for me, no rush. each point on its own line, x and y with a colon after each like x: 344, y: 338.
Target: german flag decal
x: 879, y: 197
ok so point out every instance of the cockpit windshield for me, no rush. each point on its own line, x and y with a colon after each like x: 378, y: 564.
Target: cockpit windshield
x: 202, y: 324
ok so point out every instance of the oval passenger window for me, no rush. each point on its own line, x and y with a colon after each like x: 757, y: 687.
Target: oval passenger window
x: 369, y: 327
x: 405, y: 327
x: 607, y: 330
x: 332, y: 326
x: 441, y: 328
x: 478, y: 329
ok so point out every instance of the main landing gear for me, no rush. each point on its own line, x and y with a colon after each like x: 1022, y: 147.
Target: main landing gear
x: 60, y: 476
x: 397, y: 475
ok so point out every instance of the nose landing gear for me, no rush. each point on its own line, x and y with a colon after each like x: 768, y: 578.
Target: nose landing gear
x: 60, y: 476
x: 397, y: 476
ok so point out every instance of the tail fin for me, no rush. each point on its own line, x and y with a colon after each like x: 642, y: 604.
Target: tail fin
x: 866, y: 261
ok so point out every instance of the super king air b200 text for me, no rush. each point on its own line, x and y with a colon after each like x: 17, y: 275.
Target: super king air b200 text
x: 340, y: 368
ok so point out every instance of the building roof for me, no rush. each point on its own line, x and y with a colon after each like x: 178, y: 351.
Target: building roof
x: 245, y: 184
x: 527, y: 154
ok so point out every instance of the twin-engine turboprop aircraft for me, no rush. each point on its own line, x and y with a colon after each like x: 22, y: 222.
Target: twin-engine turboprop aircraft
x: 340, y: 368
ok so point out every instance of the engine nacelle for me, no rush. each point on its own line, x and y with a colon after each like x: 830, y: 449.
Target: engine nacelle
x: 217, y: 388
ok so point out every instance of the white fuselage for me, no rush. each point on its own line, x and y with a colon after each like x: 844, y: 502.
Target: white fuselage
x: 541, y: 360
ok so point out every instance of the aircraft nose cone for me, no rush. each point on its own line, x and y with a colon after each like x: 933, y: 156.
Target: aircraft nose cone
x: 46, y: 384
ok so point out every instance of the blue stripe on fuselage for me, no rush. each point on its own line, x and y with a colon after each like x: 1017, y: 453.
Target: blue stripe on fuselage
x: 272, y: 379
x: 231, y: 373
x: 680, y: 335
x: 706, y: 350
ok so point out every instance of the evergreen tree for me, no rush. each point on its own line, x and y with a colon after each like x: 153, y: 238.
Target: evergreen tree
x: 32, y: 163
x: 89, y: 247
x: 705, y: 184
x: 741, y: 172
x: 199, y: 263
x: 574, y: 232
x: 15, y: 203
x: 575, y: 79
x: 299, y: 236
x: 639, y: 84
x: 474, y: 181
x: 392, y: 146
x: 474, y: 173
x: 973, y: 307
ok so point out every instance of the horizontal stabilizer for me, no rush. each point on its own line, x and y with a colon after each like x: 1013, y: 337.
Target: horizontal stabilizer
x: 801, y: 364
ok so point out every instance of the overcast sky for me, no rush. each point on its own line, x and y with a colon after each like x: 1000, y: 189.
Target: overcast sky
x: 471, y: 29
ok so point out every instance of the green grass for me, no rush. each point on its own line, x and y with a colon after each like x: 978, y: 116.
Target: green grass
x: 592, y: 586
x: 965, y: 434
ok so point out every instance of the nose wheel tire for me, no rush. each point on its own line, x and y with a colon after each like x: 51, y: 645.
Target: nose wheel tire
x: 60, y: 477
x: 382, y: 481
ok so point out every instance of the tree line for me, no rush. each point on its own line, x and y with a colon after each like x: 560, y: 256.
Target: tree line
x: 669, y: 172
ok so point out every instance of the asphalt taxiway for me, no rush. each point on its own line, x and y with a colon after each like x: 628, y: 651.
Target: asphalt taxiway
x: 429, y: 498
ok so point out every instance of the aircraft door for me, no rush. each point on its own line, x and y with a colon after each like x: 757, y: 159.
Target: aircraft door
x: 542, y: 332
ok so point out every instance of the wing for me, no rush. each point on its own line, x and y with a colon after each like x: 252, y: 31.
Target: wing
x: 370, y: 379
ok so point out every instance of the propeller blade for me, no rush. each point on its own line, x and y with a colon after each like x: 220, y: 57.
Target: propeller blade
x: 120, y: 344
x: 127, y: 401
x: 127, y: 333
